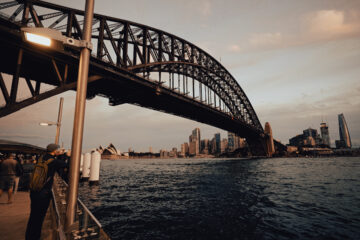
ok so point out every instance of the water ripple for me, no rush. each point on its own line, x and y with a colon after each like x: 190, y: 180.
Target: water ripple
x: 228, y: 198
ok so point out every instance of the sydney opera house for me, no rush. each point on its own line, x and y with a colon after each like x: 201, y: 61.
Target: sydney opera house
x: 110, y: 152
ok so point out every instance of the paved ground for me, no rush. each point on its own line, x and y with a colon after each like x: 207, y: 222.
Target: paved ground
x: 13, y: 217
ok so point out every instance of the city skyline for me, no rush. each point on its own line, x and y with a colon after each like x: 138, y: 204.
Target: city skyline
x: 298, y: 71
x: 320, y: 137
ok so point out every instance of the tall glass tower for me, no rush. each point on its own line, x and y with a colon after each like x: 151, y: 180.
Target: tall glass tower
x: 195, y: 137
x: 231, y: 141
x: 324, y: 129
x: 217, y: 142
x: 344, y: 131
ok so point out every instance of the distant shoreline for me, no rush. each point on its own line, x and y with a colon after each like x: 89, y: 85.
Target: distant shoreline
x: 227, y: 157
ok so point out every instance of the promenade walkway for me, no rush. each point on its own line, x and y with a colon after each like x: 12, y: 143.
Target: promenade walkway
x: 14, y: 217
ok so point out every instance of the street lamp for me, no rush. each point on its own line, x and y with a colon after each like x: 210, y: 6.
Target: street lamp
x: 47, y: 123
x: 34, y: 38
x: 58, y: 123
x: 86, y: 47
x: 53, y: 38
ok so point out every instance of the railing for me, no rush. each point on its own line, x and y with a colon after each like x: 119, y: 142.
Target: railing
x: 86, y: 225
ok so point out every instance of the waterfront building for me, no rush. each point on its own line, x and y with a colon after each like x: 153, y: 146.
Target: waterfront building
x: 205, y: 146
x: 217, y: 142
x: 212, y: 146
x: 324, y: 129
x: 185, y: 148
x: 164, y: 153
x: 309, y: 141
x: 232, y: 141
x: 109, y: 151
x: 345, y: 140
x: 340, y: 144
x: 298, y: 140
x: 195, y: 136
x: 310, y: 135
x: 193, y: 148
x: 241, y: 142
x: 310, y: 132
x: 173, y: 153
x: 150, y: 149
x: 291, y: 149
x: 183, y: 151
x: 223, y: 145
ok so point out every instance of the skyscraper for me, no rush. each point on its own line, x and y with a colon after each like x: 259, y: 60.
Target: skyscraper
x: 185, y: 149
x: 217, y: 142
x: 195, y: 137
x: 223, y: 145
x: 205, y: 146
x: 231, y: 141
x: 344, y: 132
x: 324, y: 129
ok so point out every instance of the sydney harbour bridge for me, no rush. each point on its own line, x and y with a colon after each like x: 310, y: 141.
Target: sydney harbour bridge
x: 130, y: 63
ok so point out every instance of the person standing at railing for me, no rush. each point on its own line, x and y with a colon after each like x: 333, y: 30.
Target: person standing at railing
x: 40, y: 192
x: 64, y: 173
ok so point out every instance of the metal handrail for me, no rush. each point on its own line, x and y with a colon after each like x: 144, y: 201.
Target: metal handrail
x: 59, y: 229
x: 86, y: 225
x: 90, y: 213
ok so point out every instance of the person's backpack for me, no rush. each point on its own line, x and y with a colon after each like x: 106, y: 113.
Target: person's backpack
x: 39, y: 176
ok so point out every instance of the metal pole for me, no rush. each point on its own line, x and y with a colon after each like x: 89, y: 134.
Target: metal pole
x: 58, y: 123
x: 77, y: 137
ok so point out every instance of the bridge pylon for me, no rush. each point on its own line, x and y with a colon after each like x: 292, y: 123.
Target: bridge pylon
x: 270, y: 148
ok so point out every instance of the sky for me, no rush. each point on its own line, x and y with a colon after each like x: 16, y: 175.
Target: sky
x: 297, y: 61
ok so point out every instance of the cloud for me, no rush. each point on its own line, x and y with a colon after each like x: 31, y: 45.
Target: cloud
x: 330, y: 23
x: 203, y: 7
x: 313, y: 28
x: 289, y: 119
x: 234, y: 48
x: 265, y: 39
x: 206, y: 8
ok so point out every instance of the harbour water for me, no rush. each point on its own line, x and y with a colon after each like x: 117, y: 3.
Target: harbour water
x: 281, y: 198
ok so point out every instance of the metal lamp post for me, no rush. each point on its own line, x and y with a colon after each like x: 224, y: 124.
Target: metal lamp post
x: 58, y: 123
x: 76, y: 147
x: 53, y: 38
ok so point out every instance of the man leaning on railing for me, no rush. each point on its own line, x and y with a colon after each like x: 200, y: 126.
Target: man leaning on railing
x: 40, y: 189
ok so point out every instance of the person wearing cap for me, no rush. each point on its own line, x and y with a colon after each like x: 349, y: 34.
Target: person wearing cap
x: 8, y: 169
x: 40, y: 200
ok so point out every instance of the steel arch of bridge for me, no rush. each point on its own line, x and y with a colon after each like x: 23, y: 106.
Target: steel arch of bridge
x: 154, y: 55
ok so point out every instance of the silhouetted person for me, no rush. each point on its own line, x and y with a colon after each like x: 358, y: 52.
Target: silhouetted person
x: 65, y: 156
x: 8, y: 169
x: 19, y: 173
x: 40, y: 199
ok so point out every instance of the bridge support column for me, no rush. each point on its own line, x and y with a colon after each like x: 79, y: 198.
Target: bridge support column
x: 270, y: 148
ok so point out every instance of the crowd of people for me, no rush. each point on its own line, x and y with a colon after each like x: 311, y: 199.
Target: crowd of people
x: 12, y: 169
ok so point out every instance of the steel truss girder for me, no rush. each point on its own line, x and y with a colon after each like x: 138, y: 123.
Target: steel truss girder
x: 208, y: 78
x: 36, y: 96
x: 136, y: 46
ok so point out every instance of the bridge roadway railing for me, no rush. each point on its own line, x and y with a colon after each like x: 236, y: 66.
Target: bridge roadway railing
x: 86, y: 225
